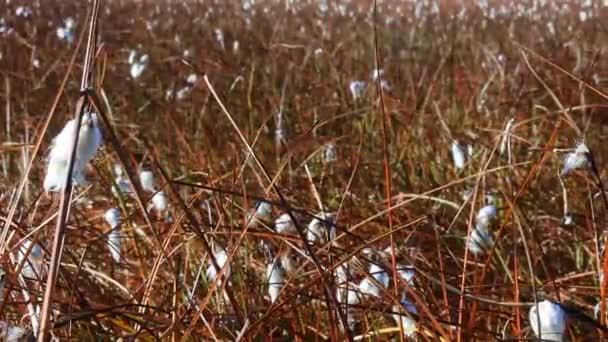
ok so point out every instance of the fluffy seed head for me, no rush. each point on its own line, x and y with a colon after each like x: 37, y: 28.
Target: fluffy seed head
x: 159, y: 200
x: 356, y: 89
x: 458, y: 155
x: 146, y: 178
x: 408, y: 323
x: 112, y: 217
x: 552, y: 321
x: 580, y: 158
x: 89, y: 141
x: 284, y: 224
x: 221, y: 257
x: 275, y: 276
x: 114, y: 243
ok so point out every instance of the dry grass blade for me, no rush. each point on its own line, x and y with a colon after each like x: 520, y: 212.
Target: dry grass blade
x: 330, y: 296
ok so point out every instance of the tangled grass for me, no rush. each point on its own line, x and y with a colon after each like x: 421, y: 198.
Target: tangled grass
x: 381, y: 162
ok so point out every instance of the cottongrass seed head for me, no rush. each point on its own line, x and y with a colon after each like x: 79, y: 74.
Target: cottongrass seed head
x: 321, y: 228
x: 551, y: 319
x: 112, y: 217
x: 409, y: 324
x: 481, y: 238
x: 458, y: 155
x: 89, y: 141
x: 221, y: 257
x: 159, y: 201
x: 580, y: 158
x: 146, y: 178
x: 356, y: 89
x: 276, y: 278
x: 284, y: 224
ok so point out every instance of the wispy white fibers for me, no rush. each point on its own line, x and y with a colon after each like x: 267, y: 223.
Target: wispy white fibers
x: 159, y: 200
x: 368, y: 287
x: 124, y: 185
x: 580, y: 158
x: 550, y: 318
x: 89, y: 140
x: 146, y: 178
x: 137, y: 64
x: 486, y: 214
x: 356, y: 89
x: 408, y: 323
x: 379, y: 73
x: 458, y: 155
x: 284, y: 225
x: 505, y: 141
x: 261, y: 213
x: 347, y: 293
x: 481, y: 238
x: 330, y: 153
x: 112, y: 217
x: 321, y: 228
x: 66, y: 32
x: 276, y: 278
x: 221, y: 257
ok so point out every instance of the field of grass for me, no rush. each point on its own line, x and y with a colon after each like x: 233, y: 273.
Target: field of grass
x: 238, y: 105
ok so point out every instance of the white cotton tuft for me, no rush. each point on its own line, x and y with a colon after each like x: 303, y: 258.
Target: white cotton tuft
x: 552, y: 320
x: 112, y: 217
x: 408, y: 323
x: 114, y: 243
x: 284, y: 225
x: 275, y: 277
x: 66, y: 32
x: 182, y: 93
x: 506, y: 137
x: 191, y: 80
x: 55, y: 178
x: 356, y: 89
x: 458, y: 155
x: 89, y: 141
x: 320, y: 228
x: 407, y: 273
x: 485, y: 215
x: 159, y: 200
x: 221, y: 257
x: 263, y: 210
x: 124, y: 185
x: 480, y: 240
x: 137, y: 66
x: 347, y: 294
x: 366, y: 287
x: 377, y: 73
x: 330, y: 153
x: 379, y: 274
x: 132, y: 56
x: 146, y: 178
x: 342, y: 273
x: 260, y: 213
x: 577, y: 159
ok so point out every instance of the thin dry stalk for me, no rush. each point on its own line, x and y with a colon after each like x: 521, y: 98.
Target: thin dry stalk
x: 64, y: 205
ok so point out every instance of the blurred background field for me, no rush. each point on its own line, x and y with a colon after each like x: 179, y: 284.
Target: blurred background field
x: 285, y: 70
